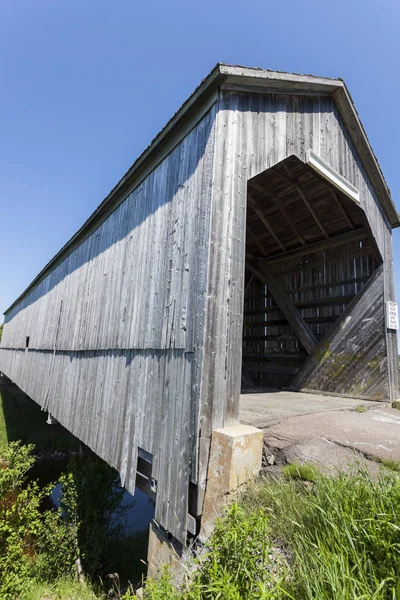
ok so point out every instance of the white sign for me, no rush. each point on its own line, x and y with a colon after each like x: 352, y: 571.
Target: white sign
x: 392, y: 315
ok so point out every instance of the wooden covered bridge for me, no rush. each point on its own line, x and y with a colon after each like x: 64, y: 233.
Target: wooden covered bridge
x: 249, y: 247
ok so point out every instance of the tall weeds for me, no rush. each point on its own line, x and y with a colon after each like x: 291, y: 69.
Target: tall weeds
x: 340, y: 536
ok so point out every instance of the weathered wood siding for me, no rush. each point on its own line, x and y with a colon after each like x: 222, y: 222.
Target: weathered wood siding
x: 116, y: 329
x: 352, y: 359
x: 151, y: 304
x: 116, y: 401
x: 320, y: 285
x: 254, y: 131
x: 135, y: 282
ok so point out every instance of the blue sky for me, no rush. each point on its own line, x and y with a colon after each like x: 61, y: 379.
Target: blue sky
x: 86, y: 84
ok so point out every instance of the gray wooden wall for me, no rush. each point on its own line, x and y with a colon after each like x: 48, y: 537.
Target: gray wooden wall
x: 353, y: 359
x: 254, y: 131
x: 321, y: 285
x: 116, y: 330
x: 139, y: 330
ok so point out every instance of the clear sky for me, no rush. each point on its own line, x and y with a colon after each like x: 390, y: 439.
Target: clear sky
x: 86, y: 84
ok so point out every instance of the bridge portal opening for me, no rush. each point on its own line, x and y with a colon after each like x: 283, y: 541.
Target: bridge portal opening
x: 309, y: 252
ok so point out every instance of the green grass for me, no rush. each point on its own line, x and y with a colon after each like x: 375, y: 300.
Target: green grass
x: 302, y: 472
x: 338, y: 539
x: 65, y: 589
x: 390, y: 463
x: 361, y: 408
x: 343, y: 536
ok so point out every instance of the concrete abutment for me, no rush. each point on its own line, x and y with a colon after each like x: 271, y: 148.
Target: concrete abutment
x: 235, y: 458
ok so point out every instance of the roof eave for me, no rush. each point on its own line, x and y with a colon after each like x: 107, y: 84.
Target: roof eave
x: 358, y: 134
x: 254, y: 77
x: 338, y: 89
x: 206, y: 88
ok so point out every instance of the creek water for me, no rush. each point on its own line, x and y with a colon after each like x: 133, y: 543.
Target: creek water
x: 139, y: 508
x: 25, y: 421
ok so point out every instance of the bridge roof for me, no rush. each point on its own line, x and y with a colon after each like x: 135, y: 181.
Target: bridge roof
x: 190, y: 112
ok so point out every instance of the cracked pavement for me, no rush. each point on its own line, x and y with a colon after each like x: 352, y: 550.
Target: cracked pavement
x: 325, y: 430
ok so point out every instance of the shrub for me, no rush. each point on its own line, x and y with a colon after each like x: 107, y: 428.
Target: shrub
x: 32, y: 544
x: 235, y: 564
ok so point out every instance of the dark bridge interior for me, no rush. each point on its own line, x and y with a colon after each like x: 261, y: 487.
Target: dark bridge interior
x: 309, y: 251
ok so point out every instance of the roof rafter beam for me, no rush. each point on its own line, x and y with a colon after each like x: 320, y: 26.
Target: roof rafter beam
x: 255, y: 239
x: 293, y: 316
x: 301, y: 193
x: 249, y: 283
x: 268, y: 194
x: 265, y: 221
x: 342, y: 238
x: 342, y: 208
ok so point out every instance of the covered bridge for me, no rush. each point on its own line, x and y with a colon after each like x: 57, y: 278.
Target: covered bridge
x: 248, y: 247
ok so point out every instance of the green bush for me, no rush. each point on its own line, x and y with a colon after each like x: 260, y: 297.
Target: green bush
x: 38, y: 547
x: 33, y: 545
x: 160, y: 589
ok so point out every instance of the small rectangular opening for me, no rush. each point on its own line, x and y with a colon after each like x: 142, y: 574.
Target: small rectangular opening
x: 27, y: 341
x: 144, y: 480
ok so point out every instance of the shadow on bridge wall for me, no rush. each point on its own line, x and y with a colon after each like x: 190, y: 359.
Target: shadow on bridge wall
x: 159, y: 188
x: 24, y: 420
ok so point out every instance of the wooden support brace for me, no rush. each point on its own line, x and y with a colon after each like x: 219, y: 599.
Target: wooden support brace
x: 268, y: 194
x: 316, y: 218
x: 342, y: 209
x: 255, y: 240
x: 264, y: 220
x: 342, y: 238
x: 293, y: 316
x: 249, y: 283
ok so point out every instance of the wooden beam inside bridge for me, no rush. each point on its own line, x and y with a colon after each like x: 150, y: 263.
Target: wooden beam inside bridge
x: 300, y: 327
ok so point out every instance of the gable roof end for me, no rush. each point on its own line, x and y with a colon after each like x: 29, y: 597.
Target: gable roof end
x: 281, y: 81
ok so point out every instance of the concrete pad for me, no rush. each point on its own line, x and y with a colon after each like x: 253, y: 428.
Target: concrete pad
x: 268, y: 408
x: 162, y: 550
x: 327, y: 431
x: 337, y: 439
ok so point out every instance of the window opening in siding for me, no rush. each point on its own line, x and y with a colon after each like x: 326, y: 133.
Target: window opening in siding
x: 144, y: 479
